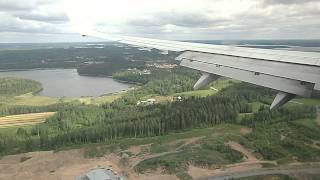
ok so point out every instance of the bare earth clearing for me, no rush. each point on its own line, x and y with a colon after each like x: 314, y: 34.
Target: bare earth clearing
x: 63, y: 165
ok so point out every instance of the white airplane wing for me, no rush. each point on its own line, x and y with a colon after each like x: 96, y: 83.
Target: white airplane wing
x: 291, y: 73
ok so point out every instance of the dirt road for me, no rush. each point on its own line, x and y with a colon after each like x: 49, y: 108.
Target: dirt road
x: 284, y: 170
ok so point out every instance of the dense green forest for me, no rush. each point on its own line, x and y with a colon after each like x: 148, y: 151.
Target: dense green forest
x: 15, y: 86
x: 78, y: 125
x: 74, y: 124
x: 89, y: 60
x: 161, y: 82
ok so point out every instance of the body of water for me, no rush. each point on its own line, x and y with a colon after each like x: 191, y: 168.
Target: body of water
x: 68, y: 83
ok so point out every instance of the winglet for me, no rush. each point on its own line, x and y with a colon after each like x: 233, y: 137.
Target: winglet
x: 281, y: 99
x: 204, y: 80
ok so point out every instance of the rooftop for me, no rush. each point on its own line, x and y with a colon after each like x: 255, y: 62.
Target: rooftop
x: 99, y: 174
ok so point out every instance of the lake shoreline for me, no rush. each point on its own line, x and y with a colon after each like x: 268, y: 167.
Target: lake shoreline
x: 33, y: 69
x: 69, y: 83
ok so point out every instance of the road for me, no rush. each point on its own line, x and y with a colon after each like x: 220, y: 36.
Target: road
x: 285, y: 170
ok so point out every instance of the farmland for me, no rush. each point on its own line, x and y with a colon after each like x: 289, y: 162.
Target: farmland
x: 24, y: 119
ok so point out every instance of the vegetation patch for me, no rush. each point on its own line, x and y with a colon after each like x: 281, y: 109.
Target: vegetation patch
x: 24, y: 158
x: 267, y: 177
x: 16, y: 86
x: 209, y: 152
x: 184, y: 176
x: 285, y: 136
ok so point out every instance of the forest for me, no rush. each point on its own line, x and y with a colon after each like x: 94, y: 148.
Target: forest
x: 88, y: 60
x: 83, y: 124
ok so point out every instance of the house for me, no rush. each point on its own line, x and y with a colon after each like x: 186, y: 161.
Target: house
x: 100, y: 174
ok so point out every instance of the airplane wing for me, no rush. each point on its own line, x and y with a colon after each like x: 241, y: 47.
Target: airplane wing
x: 291, y: 73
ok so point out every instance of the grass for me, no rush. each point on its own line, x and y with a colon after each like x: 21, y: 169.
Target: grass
x: 208, y: 152
x: 159, y: 99
x: 227, y: 130
x: 24, y: 119
x: 294, y: 102
x: 32, y: 100
x: 307, y: 101
x: 308, y: 123
x: 164, y: 147
x: 210, y: 90
x: 11, y: 131
x: 93, y: 152
x: 223, y: 83
x: 96, y: 100
x: 197, y: 93
x: 256, y: 106
x: 268, y: 177
x: 184, y: 176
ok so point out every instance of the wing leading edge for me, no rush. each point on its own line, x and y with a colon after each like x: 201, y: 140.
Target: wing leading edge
x: 291, y: 73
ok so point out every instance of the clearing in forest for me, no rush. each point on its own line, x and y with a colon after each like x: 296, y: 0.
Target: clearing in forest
x: 238, y: 147
x: 24, y: 119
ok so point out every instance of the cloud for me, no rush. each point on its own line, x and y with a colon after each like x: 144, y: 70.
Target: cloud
x: 33, y: 16
x: 184, y: 19
x: 288, y: 2
x: 17, y: 5
x: 43, y: 17
x: 168, y: 19
x: 15, y: 24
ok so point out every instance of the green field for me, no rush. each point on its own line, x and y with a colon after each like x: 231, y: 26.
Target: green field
x: 197, y: 93
x: 33, y: 100
x: 307, y: 101
x: 210, y: 90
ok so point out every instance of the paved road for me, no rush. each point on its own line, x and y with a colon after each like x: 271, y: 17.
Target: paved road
x: 265, y: 171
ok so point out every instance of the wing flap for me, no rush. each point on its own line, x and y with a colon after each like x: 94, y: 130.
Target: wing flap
x: 278, y: 83
x: 303, y: 73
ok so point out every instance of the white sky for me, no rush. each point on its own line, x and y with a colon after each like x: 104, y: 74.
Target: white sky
x: 59, y: 20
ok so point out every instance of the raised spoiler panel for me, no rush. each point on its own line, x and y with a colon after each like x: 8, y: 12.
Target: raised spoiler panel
x: 290, y: 72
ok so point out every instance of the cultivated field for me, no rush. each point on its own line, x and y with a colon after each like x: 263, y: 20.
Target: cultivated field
x: 24, y: 119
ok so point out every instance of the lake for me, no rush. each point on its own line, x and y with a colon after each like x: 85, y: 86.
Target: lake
x: 68, y: 83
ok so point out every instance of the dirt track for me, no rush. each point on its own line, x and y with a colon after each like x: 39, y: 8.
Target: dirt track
x: 287, y: 170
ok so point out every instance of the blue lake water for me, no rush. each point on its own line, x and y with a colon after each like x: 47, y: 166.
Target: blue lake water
x: 68, y: 83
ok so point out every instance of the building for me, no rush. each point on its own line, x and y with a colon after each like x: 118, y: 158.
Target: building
x: 147, y: 102
x: 100, y: 174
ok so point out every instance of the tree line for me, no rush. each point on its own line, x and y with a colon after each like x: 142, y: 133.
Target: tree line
x: 91, y: 124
